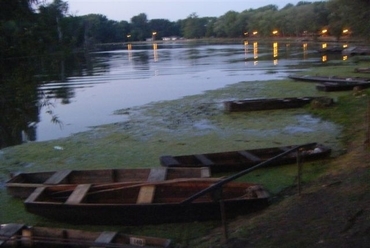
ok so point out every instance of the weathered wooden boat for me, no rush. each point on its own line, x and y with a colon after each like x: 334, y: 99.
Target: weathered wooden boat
x: 363, y: 70
x: 20, y: 235
x: 332, y: 86
x: 147, y: 203
x: 23, y: 184
x: 356, y: 50
x: 239, y: 160
x: 272, y: 103
x: 323, y: 79
x: 329, y: 50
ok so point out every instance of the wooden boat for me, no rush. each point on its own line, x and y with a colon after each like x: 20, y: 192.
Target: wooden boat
x: 328, y: 50
x: 332, y: 86
x: 240, y: 160
x: 272, y: 103
x: 356, y: 50
x: 20, y: 235
x: 323, y: 79
x: 23, y: 184
x: 147, y: 203
x: 363, y: 70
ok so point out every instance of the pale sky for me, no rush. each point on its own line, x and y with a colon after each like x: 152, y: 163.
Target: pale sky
x: 173, y: 10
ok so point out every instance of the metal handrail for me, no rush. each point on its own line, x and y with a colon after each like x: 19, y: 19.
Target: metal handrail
x: 242, y: 173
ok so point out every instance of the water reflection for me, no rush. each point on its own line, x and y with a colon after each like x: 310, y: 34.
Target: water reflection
x: 66, y: 89
x: 304, y: 46
x: 155, y: 52
x: 18, y: 103
x: 275, y: 52
x: 255, y: 50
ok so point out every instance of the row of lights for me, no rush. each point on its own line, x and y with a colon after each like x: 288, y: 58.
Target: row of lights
x: 275, y: 32
x: 325, y: 31
x: 153, y: 35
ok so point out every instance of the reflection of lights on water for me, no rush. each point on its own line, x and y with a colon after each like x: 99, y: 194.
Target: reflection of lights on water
x: 324, y: 45
x: 255, y: 50
x: 324, y: 58
x: 275, y: 52
x: 345, y: 57
x: 129, y: 48
x: 245, y: 49
x: 275, y: 49
x: 304, y: 50
x: 255, y: 63
x: 155, y: 52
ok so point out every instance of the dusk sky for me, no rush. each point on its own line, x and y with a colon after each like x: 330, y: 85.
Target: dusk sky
x: 173, y: 10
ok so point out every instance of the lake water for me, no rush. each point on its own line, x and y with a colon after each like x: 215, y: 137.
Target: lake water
x: 140, y: 74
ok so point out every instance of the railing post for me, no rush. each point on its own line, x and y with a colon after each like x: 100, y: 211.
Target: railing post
x: 299, y: 165
x: 224, y: 221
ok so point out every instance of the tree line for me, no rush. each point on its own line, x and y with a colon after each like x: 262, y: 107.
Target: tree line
x: 32, y: 27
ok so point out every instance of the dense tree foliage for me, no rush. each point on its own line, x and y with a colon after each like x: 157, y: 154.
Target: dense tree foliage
x: 49, y: 28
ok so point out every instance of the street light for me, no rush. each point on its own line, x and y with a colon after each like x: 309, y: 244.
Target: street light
x: 153, y: 35
x: 275, y: 32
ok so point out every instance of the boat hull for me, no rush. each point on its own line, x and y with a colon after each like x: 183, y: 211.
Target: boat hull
x: 330, y: 87
x: 20, y: 235
x: 144, y: 215
x: 323, y: 79
x: 270, y: 104
x: 154, y: 203
x: 232, y: 161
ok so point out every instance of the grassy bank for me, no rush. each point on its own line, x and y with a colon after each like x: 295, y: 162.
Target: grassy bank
x: 196, y: 124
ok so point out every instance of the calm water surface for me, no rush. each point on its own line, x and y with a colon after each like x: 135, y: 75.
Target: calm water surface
x: 140, y: 74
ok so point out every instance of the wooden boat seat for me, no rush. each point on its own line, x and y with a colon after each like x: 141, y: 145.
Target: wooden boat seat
x: 58, y: 177
x: 105, y: 238
x: 204, y: 160
x: 146, y: 194
x: 78, y: 194
x: 35, y: 194
x: 205, y: 172
x: 9, y: 231
x: 250, y: 156
x: 157, y: 174
x: 169, y: 161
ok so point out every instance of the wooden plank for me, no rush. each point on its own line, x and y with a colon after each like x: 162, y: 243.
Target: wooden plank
x: 9, y: 230
x: 250, y: 156
x: 205, y: 172
x: 157, y: 174
x: 58, y: 177
x: 146, y: 194
x: 78, y: 194
x: 169, y: 161
x: 106, y: 237
x: 35, y: 194
x: 204, y: 160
